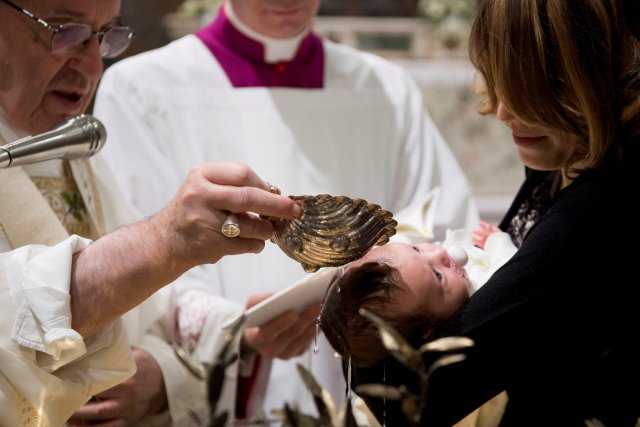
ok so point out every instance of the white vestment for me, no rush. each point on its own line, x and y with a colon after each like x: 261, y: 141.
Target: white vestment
x: 38, y: 389
x: 47, y: 370
x: 365, y: 135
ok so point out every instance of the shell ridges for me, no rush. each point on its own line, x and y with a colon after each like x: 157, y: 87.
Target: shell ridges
x: 332, y: 231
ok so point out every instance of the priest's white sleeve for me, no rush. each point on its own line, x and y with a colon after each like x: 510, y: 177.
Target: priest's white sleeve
x: 48, y: 369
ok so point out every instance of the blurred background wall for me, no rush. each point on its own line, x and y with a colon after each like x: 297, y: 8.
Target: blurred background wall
x: 427, y: 37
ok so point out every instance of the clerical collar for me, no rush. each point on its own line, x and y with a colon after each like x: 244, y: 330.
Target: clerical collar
x: 242, y: 57
x: 275, y: 50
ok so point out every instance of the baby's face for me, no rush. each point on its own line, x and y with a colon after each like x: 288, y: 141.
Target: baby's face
x: 432, y: 281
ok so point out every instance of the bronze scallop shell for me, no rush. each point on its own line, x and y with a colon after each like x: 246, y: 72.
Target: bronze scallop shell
x: 332, y: 230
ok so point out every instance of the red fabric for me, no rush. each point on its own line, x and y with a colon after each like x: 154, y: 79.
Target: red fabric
x: 244, y: 390
x: 242, y: 58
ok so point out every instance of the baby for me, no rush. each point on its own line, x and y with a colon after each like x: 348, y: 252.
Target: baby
x: 411, y: 286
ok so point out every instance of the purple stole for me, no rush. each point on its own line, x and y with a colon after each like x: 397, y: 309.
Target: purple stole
x: 242, y: 58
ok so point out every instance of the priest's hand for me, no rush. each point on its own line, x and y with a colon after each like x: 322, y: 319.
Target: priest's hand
x: 122, y: 268
x: 129, y: 402
x: 288, y: 335
x: 194, y: 222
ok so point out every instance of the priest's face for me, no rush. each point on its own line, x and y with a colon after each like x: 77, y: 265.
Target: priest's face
x: 276, y: 18
x: 40, y: 88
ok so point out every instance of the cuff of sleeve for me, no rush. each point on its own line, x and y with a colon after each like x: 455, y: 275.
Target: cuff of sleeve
x: 40, y: 290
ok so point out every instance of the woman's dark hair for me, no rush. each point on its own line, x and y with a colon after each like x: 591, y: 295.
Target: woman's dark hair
x: 372, y: 286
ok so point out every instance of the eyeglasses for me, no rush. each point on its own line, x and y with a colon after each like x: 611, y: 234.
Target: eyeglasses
x: 67, y: 37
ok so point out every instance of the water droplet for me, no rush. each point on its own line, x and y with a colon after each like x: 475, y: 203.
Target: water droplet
x: 384, y: 399
x: 316, y: 349
x: 349, y: 379
x: 310, y: 268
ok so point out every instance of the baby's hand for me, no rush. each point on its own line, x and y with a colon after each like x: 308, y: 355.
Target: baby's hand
x: 480, y: 235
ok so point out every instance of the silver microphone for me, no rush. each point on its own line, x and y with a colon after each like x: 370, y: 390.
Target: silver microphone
x: 77, y: 138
